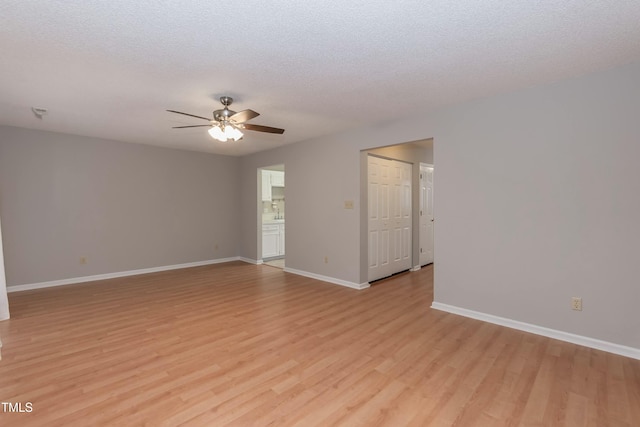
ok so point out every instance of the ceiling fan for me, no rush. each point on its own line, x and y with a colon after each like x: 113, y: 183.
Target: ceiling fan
x: 226, y: 123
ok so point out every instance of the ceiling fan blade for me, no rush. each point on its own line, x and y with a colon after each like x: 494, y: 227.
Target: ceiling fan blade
x: 192, y: 126
x: 190, y: 115
x: 260, y: 128
x: 243, y: 116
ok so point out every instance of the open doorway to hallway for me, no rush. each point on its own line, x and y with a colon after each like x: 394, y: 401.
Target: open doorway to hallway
x: 426, y: 219
x: 271, y: 212
x: 419, y: 154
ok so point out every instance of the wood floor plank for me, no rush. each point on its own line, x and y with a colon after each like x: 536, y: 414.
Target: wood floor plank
x: 244, y: 345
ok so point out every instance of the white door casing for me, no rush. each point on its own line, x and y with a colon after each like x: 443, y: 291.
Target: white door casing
x: 272, y: 235
x: 281, y: 240
x: 426, y: 214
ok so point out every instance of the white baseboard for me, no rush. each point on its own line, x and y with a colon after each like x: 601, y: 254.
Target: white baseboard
x: 251, y: 261
x: 622, y: 350
x: 74, y: 280
x: 415, y: 268
x: 333, y: 280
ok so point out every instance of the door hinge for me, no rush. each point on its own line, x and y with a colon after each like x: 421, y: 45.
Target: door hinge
x: 420, y: 250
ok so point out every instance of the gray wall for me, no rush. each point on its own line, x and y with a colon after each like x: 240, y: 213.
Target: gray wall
x: 538, y: 200
x: 4, y: 302
x: 122, y: 206
x: 317, y: 225
x: 538, y: 195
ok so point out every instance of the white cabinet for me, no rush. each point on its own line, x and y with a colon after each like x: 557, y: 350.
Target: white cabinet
x: 272, y: 240
x: 277, y: 178
x: 266, y: 186
x: 271, y: 179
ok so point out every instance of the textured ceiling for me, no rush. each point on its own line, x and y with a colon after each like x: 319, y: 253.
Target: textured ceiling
x: 110, y: 69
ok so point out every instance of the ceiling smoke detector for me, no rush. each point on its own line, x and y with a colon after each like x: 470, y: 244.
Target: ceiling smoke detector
x: 39, y: 112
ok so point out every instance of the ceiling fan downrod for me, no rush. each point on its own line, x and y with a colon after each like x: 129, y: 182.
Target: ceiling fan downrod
x: 224, y: 114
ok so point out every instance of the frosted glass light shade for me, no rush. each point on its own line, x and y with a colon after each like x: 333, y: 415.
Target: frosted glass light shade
x: 216, y: 133
x: 229, y: 133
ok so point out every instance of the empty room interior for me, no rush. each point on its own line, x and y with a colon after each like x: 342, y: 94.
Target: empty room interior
x: 412, y: 214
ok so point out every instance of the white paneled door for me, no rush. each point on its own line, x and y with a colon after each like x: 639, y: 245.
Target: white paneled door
x: 426, y: 214
x: 389, y: 212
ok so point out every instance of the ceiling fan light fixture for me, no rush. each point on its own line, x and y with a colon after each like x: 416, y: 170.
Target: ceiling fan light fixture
x: 224, y: 133
x: 226, y: 124
x: 232, y: 132
x: 217, y: 133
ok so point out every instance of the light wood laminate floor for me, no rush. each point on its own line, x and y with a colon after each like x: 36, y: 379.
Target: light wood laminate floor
x: 250, y: 345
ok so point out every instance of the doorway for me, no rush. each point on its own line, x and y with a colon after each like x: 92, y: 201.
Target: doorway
x: 271, y: 212
x: 426, y: 214
x: 416, y: 154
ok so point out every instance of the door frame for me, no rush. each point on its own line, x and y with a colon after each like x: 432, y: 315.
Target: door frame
x: 389, y: 151
x: 259, y: 209
x: 420, y: 232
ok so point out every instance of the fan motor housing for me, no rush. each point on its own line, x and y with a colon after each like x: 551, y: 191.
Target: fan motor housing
x: 222, y: 115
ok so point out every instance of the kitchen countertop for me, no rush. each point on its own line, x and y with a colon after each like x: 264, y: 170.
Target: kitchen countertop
x: 274, y: 221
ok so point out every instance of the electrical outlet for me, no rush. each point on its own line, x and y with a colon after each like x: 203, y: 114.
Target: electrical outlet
x: 576, y: 303
x: 83, y: 260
